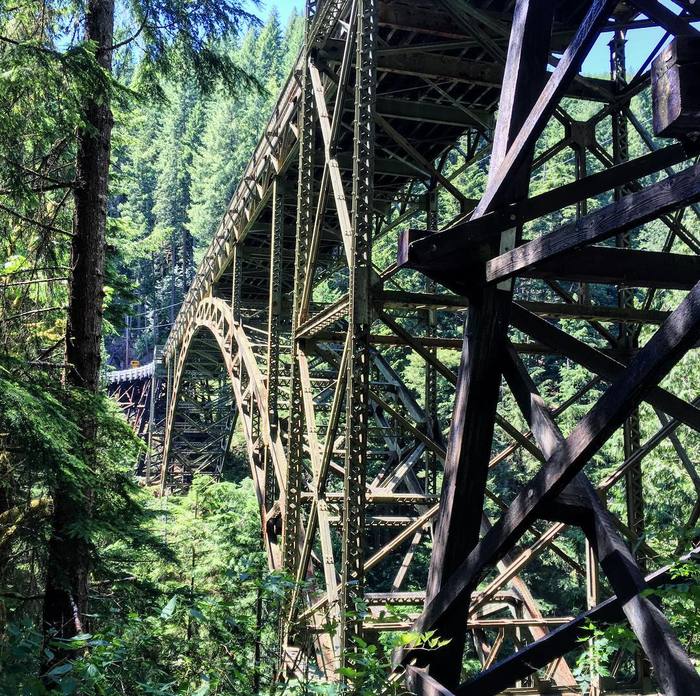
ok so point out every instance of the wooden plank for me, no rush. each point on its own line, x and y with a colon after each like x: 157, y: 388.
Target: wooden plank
x: 632, y: 211
x: 651, y: 364
x: 599, y: 363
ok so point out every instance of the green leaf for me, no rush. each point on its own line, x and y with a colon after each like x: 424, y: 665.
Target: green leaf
x: 169, y: 608
x: 60, y: 670
x: 203, y: 689
x: 69, y: 686
x: 196, y: 614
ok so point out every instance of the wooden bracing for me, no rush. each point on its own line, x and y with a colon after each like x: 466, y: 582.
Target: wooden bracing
x: 308, y: 307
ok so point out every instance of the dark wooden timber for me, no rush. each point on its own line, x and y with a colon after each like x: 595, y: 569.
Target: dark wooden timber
x: 665, y: 17
x: 675, y: 337
x: 622, y: 267
x: 561, y: 640
x: 633, y: 210
x: 598, y: 362
x: 520, y: 150
x: 428, y: 251
x: 579, y: 504
x: 676, y: 88
x: 477, y: 392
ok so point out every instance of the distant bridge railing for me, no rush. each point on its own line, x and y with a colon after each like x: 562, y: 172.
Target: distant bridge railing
x: 131, y: 375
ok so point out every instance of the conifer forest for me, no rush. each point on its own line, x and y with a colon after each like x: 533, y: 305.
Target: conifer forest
x: 349, y: 347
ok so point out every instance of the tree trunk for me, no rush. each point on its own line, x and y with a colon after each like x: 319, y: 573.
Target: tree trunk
x: 173, y: 279
x: 187, y: 260
x: 65, y: 603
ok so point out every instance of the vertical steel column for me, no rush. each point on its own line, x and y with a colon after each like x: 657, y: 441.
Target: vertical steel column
x: 627, y: 334
x: 170, y: 367
x: 273, y: 326
x: 432, y: 223
x: 584, y: 296
x: 305, y: 221
x: 359, y: 322
x: 237, y: 283
x: 151, y: 415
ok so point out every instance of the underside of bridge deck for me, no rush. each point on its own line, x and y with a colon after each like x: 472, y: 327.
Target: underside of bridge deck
x: 355, y: 192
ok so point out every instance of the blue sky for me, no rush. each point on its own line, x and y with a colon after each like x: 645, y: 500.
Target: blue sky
x: 640, y: 41
x: 284, y: 7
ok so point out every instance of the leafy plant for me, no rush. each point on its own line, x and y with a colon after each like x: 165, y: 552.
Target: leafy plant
x: 602, y: 643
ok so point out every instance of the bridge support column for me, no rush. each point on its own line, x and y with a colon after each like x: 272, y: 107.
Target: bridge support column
x: 292, y: 522
x: 273, y: 328
x: 170, y: 367
x: 479, y: 379
x: 359, y: 322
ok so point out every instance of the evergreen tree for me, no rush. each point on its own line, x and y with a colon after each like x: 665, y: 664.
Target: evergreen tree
x: 235, y: 123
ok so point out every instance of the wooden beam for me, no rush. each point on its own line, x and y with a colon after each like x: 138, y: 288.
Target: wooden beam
x: 631, y: 211
x: 561, y: 640
x: 663, y: 16
x: 448, y: 247
x: 479, y: 377
x: 422, y: 684
x: 591, y: 312
x: 671, y: 664
x: 560, y: 79
x: 623, y: 267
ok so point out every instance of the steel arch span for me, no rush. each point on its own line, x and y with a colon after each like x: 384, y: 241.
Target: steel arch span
x: 377, y: 454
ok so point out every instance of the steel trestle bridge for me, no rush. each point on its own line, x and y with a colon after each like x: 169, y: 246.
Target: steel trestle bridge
x: 356, y: 193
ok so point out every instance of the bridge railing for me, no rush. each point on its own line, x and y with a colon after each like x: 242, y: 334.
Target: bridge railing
x: 130, y: 375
